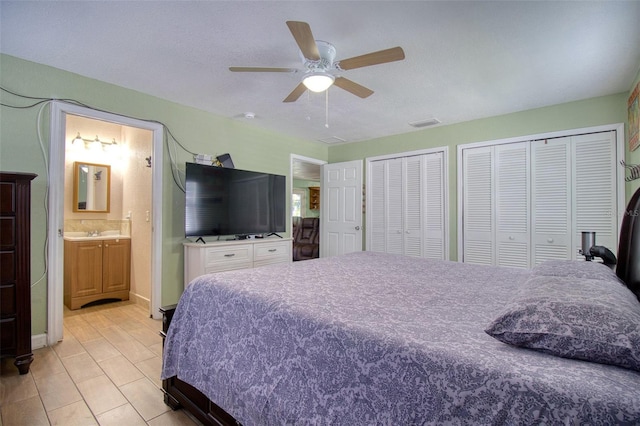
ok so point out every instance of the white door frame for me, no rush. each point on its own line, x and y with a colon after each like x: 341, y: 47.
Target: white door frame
x: 55, y: 251
x: 304, y: 160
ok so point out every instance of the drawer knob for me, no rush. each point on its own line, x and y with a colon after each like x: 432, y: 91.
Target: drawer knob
x: 272, y: 250
x: 229, y: 255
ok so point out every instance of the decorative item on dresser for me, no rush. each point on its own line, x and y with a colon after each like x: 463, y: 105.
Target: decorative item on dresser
x: 15, y: 268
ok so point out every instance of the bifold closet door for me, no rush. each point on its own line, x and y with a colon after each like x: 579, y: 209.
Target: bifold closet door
x: 551, y: 199
x: 595, y: 189
x: 527, y: 202
x: 479, y: 210
x: 496, y: 219
x: 512, y: 205
x: 406, y: 213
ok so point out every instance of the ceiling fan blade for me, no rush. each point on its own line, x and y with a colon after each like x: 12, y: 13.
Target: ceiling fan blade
x: 353, y: 87
x: 374, y: 58
x: 261, y: 69
x: 297, y: 92
x: 301, y: 32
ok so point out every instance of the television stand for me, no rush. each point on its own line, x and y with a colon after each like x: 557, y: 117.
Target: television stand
x: 273, y: 233
x: 218, y: 256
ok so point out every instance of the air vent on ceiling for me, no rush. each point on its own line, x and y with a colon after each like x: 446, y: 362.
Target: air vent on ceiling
x: 332, y: 139
x: 425, y: 123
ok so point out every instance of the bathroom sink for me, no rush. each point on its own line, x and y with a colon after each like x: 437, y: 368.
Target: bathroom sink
x: 104, y: 235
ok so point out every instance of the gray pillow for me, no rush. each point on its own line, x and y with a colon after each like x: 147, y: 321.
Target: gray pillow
x: 591, y: 320
x: 575, y: 269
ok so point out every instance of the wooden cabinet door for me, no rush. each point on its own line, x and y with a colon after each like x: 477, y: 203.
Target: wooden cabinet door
x: 116, y: 260
x: 86, y: 268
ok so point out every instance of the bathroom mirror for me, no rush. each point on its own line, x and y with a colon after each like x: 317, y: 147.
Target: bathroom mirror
x: 91, y: 187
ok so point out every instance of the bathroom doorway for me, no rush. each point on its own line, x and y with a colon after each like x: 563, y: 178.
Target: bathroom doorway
x: 62, y: 115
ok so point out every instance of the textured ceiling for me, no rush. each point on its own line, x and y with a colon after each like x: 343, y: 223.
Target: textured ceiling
x: 464, y: 60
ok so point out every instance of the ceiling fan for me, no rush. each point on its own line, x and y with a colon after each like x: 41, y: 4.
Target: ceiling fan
x: 320, y: 68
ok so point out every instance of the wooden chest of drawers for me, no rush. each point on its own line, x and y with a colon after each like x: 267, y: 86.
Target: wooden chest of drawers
x: 15, y: 268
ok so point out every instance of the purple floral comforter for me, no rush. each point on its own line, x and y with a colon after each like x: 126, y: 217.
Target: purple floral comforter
x: 371, y: 338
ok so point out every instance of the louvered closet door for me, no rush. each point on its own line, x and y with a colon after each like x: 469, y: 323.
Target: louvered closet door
x: 394, y: 207
x: 413, y: 210
x: 595, y: 189
x: 406, y: 206
x: 478, y: 200
x: 376, y: 207
x: 551, y: 199
x: 512, y: 205
x: 433, y: 194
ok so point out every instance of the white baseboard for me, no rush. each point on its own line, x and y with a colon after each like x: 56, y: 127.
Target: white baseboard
x: 38, y: 341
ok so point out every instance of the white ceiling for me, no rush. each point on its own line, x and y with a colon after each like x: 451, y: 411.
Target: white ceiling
x: 464, y: 60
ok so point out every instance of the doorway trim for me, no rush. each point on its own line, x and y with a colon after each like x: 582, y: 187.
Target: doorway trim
x: 55, y: 216
x: 303, y: 159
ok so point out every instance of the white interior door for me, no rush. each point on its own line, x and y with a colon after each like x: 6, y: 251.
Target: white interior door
x: 341, y: 218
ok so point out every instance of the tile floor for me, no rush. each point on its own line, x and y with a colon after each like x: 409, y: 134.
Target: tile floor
x: 106, y: 371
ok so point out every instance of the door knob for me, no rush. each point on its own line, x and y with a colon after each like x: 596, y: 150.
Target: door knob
x: 357, y: 228
x: 549, y: 240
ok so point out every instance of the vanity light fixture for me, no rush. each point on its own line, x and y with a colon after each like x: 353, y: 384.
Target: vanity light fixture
x: 93, y: 143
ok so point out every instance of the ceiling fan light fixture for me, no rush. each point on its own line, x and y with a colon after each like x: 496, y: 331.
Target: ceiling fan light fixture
x: 318, y: 81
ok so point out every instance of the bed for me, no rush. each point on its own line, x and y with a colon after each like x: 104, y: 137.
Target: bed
x: 372, y: 338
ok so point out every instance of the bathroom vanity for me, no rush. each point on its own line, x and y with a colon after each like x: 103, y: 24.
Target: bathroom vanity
x: 96, y: 268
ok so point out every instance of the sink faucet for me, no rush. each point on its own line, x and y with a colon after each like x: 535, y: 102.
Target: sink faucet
x: 93, y: 233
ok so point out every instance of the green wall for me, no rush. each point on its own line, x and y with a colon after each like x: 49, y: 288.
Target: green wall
x: 250, y: 148
x: 586, y: 113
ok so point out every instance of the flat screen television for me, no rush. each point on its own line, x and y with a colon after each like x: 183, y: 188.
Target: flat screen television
x: 223, y: 201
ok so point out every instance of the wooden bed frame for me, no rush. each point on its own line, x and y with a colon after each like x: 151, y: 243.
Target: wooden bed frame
x: 178, y: 394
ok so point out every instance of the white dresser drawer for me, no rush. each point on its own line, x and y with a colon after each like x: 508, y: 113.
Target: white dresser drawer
x: 218, y: 256
x: 209, y: 258
x: 276, y: 252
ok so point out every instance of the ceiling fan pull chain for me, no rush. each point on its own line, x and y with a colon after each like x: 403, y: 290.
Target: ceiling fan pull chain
x: 326, y: 108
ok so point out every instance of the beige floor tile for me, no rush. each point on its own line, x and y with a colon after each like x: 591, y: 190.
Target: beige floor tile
x: 84, y: 333
x: 154, y: 324
x: 120, y: 370
x: 81, y: 367
x: 134, y: 351
x: 69, y: 346
x: 151, y: 368
x: 123, y: 415
x: 156, y: 349
x: 73, y: 414
x: 16, y: 387
x: 100, y: 349
x: 77, y: 320
x: 25, y: 412
x: 101, y: 395
x: 45, y: 363
x: 171, y: 418
x: 146, y: 336
x: 57, y: 391
x: 98, y: 320
x: 146, y: 398
x: 115, y: 335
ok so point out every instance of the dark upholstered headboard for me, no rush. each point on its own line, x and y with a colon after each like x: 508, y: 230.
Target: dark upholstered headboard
x: 628, y: 269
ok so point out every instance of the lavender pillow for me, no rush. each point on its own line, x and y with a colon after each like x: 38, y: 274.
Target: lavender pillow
x: 591, y: 320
